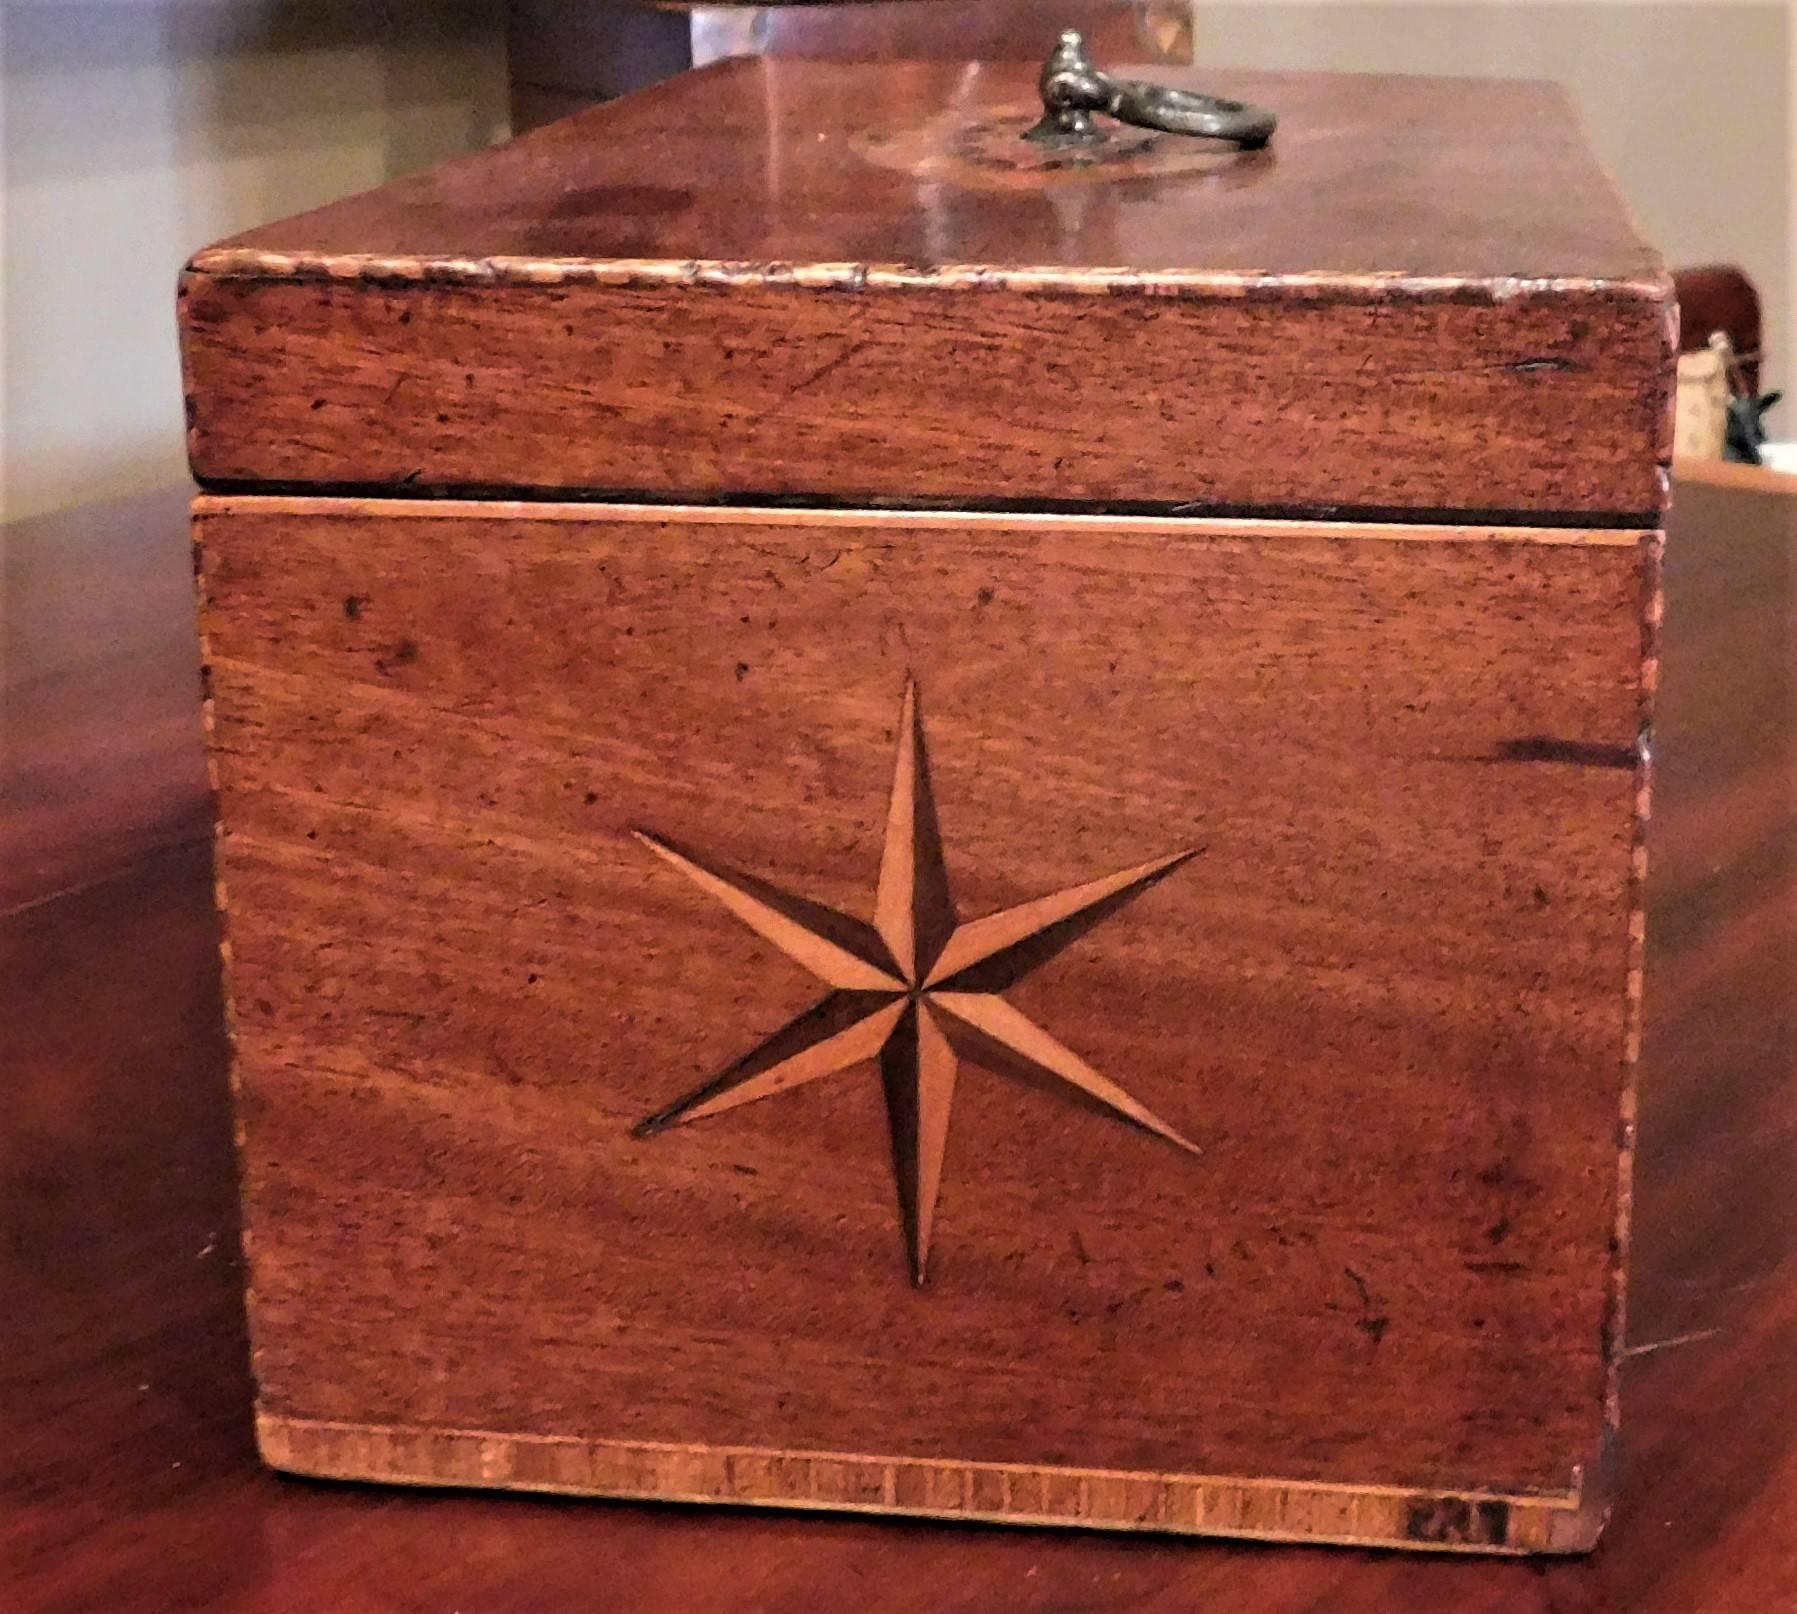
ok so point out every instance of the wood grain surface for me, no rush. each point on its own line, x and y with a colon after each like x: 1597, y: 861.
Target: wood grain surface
x: 1389, y: 996
x: 131, y: 1482
x: 1395, y: 173
x: 857, y: 285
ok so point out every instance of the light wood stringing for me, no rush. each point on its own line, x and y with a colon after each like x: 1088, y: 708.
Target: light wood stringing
x: 991, y: 1493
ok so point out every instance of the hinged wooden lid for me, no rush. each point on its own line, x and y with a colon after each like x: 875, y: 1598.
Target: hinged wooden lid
x: 857, y: 285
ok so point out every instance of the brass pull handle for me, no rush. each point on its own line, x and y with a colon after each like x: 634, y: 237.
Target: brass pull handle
x: 1073, y: 89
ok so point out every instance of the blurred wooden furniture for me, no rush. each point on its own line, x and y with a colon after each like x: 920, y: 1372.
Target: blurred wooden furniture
x: 564, y: 57
x: 130, y: 1482
x: 1721, y: 412
x: 1720, y: 297
x: 1760, y: 479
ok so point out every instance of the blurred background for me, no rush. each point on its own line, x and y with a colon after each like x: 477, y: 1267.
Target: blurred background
x: 135, y: 131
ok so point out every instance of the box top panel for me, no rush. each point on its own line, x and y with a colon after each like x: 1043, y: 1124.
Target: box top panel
x: 923, y: 164
x: 803, y: 282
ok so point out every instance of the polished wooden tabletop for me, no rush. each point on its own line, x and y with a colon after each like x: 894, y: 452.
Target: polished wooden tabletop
x: 129, y: 1480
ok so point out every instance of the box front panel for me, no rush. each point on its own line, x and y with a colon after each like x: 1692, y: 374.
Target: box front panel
x: 1279, y: 1140
x: 1491, y: 399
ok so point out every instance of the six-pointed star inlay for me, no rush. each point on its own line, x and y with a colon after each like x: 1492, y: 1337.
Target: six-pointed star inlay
x: 916, y: 990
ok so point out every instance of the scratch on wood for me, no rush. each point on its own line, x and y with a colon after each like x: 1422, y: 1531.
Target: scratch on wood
x: 1667, y: 1344
x: 822, y: 372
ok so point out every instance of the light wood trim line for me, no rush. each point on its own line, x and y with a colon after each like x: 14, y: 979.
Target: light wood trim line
x: 508, y: 269
x: 997, y: 1493
x: 207, y: 504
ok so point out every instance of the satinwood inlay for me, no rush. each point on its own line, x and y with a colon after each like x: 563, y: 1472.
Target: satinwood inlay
x: 917, y: 990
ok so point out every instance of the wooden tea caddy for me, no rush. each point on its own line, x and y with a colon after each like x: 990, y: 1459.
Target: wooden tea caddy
x: 1078, y: 710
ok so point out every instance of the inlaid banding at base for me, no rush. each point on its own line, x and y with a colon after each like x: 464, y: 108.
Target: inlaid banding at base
x: 998, y: 1493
